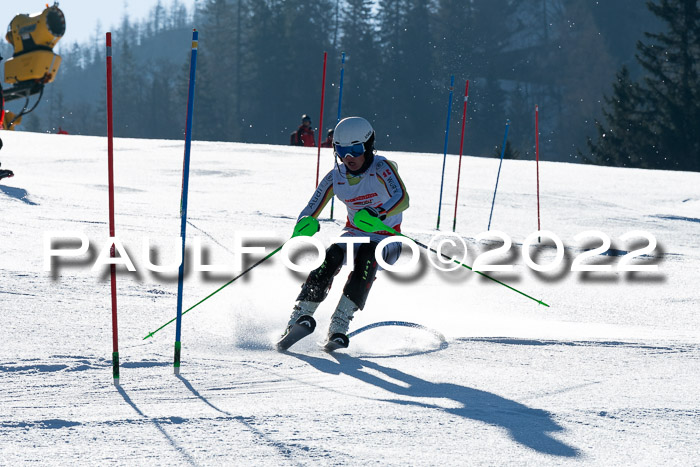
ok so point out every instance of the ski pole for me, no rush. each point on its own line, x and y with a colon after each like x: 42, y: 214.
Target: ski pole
x: 369, y: 223
x: 537, y: 158
x: 307, y: 227
x: 461, y: 147
x: 503, y: 151
x: 320, y: 119
x: 340, y: 102
x: 444, y: 157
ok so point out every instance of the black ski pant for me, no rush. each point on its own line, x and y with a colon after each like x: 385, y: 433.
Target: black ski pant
x: 359, y: 282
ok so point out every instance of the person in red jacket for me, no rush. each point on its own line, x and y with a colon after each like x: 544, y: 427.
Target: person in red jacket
x: 328, y: 143
x: 304, y: 136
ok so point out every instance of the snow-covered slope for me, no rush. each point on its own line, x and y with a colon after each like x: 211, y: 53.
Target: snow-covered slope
x: 607, y: 375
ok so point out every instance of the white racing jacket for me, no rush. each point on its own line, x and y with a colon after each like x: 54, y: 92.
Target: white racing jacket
x: 379, y: 186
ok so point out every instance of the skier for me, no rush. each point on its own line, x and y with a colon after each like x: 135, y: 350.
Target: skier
x: 364, y: 181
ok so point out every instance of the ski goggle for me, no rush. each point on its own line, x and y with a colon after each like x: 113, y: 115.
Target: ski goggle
x: 355, y: 150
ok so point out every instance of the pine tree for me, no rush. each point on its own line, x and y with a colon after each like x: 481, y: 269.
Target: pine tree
x: 360, y: 42
x: 408, y: 93
x: 391, y: 21
x: 653, y: 123
x: 215, y: 96
x: 454, y: 36
x: 626, y: 141
x: 580, y: 84
x: 265, y: 105
x: 424, y: 95
x: 127, y: 85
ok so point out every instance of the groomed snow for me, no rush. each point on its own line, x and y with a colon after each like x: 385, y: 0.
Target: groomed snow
x: 608, y: 375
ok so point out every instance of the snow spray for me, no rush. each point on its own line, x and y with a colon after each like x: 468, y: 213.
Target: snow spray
x: 307, y: 226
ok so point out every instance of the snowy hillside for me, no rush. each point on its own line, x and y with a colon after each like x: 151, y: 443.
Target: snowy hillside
x: 607, y: 375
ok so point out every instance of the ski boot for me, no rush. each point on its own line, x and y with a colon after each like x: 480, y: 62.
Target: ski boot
x: 5, y: 173
x: 340, y: 323
x: 301, y: 324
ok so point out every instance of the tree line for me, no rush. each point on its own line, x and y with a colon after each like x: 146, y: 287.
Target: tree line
x: 260, y: 62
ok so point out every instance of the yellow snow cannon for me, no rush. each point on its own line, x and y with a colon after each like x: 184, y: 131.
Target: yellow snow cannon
x: 11, y: 121
x: 33, y: 63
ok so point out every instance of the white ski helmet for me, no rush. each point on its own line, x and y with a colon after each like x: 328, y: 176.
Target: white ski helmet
x: 354, y: 130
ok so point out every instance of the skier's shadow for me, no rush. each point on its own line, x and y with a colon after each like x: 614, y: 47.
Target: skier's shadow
x: 17, y: 193
x: 529, y: 427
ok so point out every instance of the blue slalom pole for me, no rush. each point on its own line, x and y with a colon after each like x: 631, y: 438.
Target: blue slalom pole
x: 340, y: 103
x: 444, y: 157
x: 503, y: 151
x: 183, y: 199
x: 340, y: 87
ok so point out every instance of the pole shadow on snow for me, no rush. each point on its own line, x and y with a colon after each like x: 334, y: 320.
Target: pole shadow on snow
x: 527, y: 426
x: 282, y: 448
x: 178, y: 448
x: 19, y: 194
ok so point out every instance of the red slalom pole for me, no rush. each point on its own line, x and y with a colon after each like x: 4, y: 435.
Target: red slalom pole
x: 461, y: 147
x: 110, y: 171
x: 320, y: 120
x: 537, y: 159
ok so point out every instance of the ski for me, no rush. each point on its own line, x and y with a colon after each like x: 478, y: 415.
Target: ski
x: 336, y: 341
x: 304, y: 326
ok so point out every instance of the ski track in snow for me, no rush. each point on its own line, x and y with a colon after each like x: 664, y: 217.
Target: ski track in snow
x: 607, y: 376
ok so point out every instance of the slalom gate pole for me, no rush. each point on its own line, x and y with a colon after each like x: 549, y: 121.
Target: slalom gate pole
x: 320, y: 120
x: 110, y: 175
x: 537, y: 158
x: 369, y: 223
x: 340, y: 103
x: 503, y: 151
x: 461, y: 147
x: 444, y: 157
x: 307, y: 227
x: 340, y: 87
x: 183, y: 201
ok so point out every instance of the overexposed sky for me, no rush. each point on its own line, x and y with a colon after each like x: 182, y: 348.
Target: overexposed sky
x: 82, y: 15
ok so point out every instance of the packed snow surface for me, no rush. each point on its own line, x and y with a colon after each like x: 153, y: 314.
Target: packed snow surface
x: 607, y: 375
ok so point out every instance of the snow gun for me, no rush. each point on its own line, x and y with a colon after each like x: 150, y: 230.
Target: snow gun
x: 33, y: 63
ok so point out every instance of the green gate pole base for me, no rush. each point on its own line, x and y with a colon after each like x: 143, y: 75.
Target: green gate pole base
x: 176, y: 364
x: 115, y: 367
